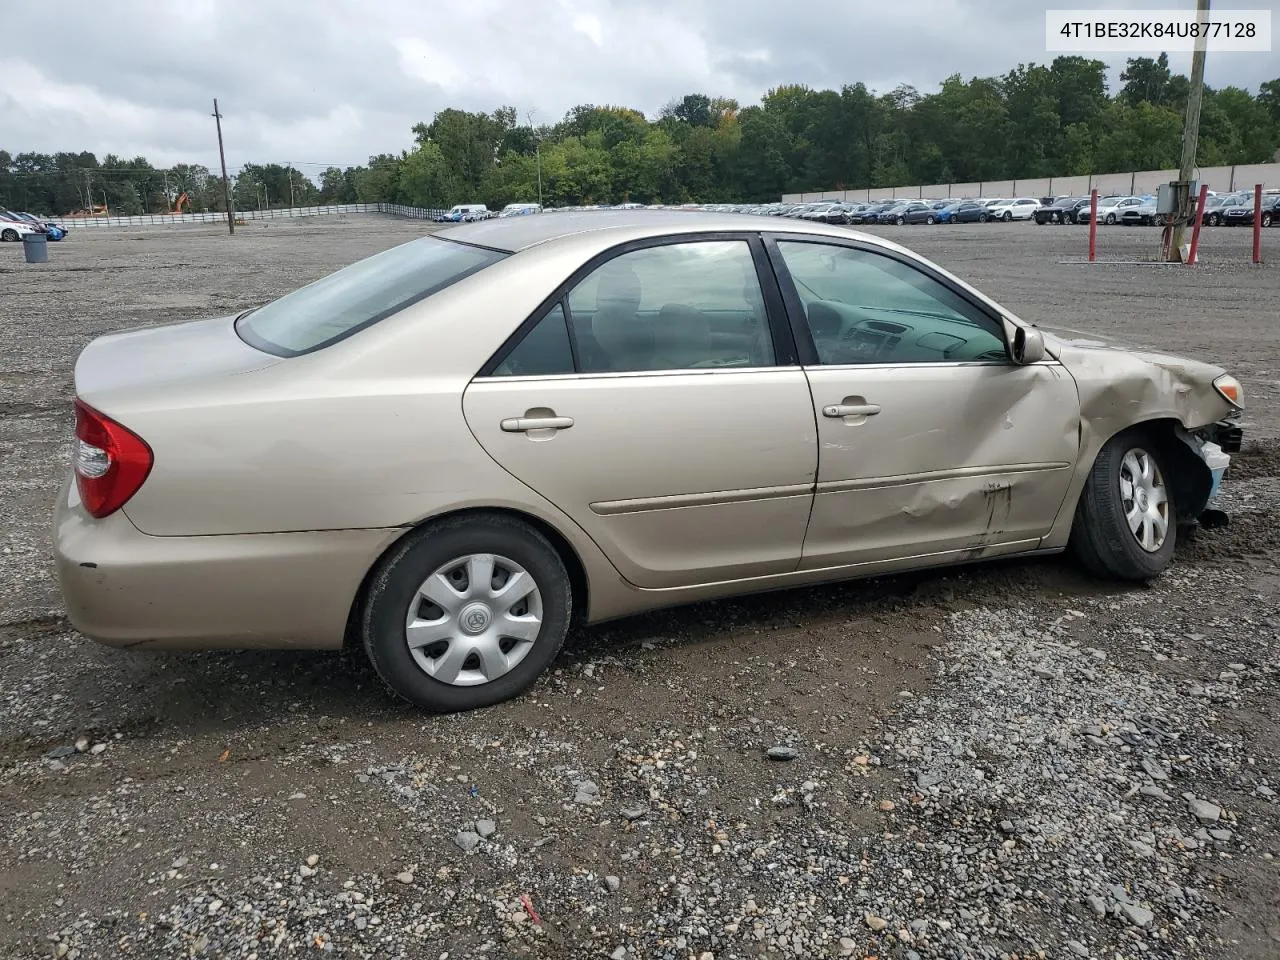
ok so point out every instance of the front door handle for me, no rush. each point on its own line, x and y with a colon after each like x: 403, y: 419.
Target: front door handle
x: 525, y: 424
x: 839, y: 410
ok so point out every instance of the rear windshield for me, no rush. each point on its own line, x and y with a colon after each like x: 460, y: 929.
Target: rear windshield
x: 360, y: 295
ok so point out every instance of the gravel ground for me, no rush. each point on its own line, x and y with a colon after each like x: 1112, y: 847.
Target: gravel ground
x: 1009, y: 760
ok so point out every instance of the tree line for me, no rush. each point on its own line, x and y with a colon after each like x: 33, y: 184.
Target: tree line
x: 1034, y: 121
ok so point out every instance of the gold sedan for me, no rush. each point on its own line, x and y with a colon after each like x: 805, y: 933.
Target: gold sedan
x: 450, y: 451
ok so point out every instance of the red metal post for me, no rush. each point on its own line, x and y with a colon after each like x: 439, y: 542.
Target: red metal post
x: 1195, y: 230
x: 1093, y: 225
x: 1257, y: 223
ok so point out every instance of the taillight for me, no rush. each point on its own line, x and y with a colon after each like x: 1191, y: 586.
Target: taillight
x: 111, y: 461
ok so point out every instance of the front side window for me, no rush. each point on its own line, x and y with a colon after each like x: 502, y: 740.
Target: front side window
x: 676, y: 306
x: 865, y: 307
x: 360, y: 295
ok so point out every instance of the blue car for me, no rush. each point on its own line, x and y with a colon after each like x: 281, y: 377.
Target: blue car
x: 51, y: 229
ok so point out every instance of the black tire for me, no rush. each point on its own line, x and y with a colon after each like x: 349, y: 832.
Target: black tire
x: 1100, y: 534
x: 1008, y: 216
x: 931, y: 219
x: 983, y: 218
x: 1111, y: 219
x: 900, y: 221
x: 399, y: 575
x: 8, y: 236
x: 1215, y: 220
x: 1266, y: 220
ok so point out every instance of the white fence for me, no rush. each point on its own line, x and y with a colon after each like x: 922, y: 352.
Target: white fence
x: 276, y: 213
x: 1219, y: 179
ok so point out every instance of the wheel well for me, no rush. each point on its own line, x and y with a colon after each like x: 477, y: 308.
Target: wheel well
x: 1189, y: 477
x: 568, y: 556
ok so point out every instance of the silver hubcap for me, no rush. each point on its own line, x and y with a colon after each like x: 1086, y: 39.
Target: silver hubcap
x: 1145, y: 499
x: 474, y: 619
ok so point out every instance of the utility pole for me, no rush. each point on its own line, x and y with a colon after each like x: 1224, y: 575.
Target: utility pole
x: 1190, y: 136
x: 289, y: 169
x: 226, y: 185
x: 537, y: 146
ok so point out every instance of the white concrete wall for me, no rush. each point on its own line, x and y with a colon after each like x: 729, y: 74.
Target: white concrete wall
x: 1070, y: 186
x: 1220, y: 179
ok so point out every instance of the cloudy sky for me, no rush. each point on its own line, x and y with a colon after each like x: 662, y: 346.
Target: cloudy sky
x: 332, y: 81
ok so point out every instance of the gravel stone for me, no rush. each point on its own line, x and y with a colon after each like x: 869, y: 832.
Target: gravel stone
x: 612, y: 883
x: 486, y: 828
x: 1204, y: 811
x: 782, y: 753
x: 467, y: 840
x: 1137, y: 914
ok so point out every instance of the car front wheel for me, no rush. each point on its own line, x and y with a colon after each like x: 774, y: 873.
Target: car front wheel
x: 1126, y: 522
x: 930, y: 219
x: 982, y: 218
x: 900, y: 221
x: 1266, y: 220
x: 466, y: 613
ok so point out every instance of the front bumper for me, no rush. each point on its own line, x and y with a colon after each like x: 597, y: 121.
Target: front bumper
x: 125, y: 588
x: 1216, y: 444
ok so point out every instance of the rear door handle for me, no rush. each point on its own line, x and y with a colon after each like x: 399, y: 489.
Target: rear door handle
x: 838, y: 410
x: 525, y: 424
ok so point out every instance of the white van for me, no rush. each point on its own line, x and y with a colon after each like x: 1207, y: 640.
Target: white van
x: 520, y: 209
x: 464, y: 211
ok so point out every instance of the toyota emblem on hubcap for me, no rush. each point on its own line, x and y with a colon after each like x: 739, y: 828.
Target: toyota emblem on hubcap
x: 476, y: 618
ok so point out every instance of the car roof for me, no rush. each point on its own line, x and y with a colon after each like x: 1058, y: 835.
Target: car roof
x: 519, y: 233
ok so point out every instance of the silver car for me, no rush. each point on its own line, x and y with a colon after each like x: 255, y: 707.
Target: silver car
x: 449, y: 452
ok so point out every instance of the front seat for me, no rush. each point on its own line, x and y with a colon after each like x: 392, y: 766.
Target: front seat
x: 624, y: 340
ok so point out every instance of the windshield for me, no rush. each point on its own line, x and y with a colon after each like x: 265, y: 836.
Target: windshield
x: 360, y: 295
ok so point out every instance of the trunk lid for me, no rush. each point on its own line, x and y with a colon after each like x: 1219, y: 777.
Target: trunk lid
x: 120, y: 370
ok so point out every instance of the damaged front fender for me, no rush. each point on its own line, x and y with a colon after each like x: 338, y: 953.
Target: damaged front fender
x: 1122, y: 389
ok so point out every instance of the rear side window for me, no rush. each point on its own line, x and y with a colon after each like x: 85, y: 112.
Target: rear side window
x: 360, y: 295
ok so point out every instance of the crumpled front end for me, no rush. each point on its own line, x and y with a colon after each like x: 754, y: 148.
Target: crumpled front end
x: 1120, y: 389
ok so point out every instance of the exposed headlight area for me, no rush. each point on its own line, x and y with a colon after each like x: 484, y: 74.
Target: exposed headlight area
x: 1229, y: 389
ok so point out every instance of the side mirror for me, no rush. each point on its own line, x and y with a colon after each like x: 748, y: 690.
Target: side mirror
x: 1028, y: 346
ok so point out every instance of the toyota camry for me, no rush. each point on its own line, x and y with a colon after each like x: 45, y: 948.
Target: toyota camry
x: 452, y: 451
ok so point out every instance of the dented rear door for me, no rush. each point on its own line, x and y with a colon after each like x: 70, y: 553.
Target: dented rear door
x: 924, y: 459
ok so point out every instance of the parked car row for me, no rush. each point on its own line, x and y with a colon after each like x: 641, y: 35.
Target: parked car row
x: 1220, y: 210
x: 1113, y: 209
x: 15, y: 226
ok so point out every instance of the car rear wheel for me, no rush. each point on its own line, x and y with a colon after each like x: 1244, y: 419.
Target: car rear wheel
x: 1126, y: 522
x: 466, y: 613
x: 9, y: 235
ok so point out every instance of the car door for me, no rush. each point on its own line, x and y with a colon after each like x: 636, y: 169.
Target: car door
x: 932, y: 442
x: 652, y: 401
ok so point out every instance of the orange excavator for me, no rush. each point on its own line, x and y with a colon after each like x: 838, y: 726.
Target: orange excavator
x: 177, y: 204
